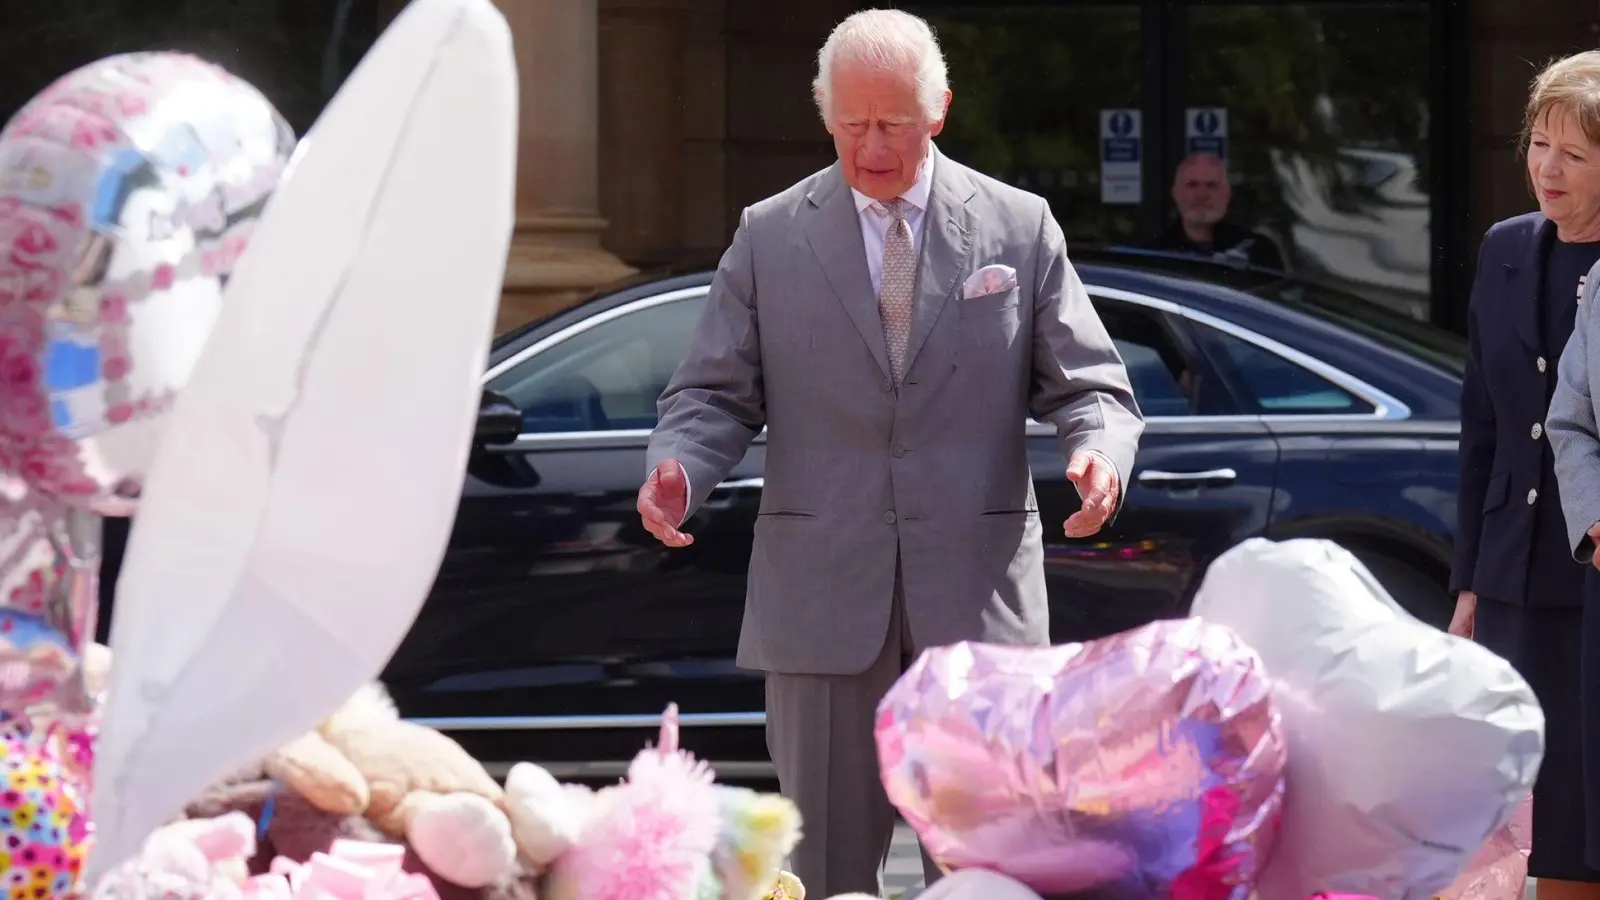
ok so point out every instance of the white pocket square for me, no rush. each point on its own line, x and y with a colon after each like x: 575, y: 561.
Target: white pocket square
x: 991, y: 279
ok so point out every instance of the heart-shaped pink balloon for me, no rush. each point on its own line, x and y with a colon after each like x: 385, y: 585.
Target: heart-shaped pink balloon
x: 1146, y: 764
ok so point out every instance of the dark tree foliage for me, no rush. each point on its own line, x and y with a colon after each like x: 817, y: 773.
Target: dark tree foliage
x: 296, y: 51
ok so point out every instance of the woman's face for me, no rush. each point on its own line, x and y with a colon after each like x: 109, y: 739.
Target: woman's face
x: 1564, y: 168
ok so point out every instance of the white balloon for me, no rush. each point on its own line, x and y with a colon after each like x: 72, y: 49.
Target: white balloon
x: 1407, y: 746
x: 301, y: 501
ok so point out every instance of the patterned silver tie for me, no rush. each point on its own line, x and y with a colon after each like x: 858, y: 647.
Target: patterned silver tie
x: 898, y: 293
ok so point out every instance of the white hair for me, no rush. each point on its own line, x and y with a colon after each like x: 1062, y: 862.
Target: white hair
x: 885, y: 39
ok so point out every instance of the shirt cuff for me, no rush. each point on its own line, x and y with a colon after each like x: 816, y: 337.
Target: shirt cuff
x: 1110, y: 465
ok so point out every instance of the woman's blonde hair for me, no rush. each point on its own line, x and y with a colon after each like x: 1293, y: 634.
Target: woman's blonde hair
x: 1571, y: 84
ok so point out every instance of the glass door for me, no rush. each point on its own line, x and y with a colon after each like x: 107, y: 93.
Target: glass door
x: 1321, y: 111
x: 1051, y: 98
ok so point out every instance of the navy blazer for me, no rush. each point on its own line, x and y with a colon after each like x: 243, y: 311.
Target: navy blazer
x: 1508, y: 485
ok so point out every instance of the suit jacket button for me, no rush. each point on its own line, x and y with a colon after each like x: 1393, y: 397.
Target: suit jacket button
x: 888, y: 517
x: 1533, y: 496
x: 1537, y: 431
x: 1542, y: 364
x: 900, y: 451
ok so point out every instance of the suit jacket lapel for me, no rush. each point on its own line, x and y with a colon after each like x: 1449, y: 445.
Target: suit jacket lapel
x: 834, y: 231
x: 1522, y: 285
x: 947, y: 229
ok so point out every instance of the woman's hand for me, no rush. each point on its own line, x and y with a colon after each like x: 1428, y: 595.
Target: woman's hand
x: 1466, y: 611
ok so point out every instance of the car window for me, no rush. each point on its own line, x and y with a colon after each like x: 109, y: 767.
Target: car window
x: 1379, y: 323
x: 1163, y: 380
x: 606, y: 377
x: 1277, y: 385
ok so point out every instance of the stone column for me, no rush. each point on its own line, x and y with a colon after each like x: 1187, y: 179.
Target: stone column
x: 556, y: 255
x: 643, y: 60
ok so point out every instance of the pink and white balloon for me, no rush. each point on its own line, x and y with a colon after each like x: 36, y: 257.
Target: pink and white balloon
x: 128, y: 189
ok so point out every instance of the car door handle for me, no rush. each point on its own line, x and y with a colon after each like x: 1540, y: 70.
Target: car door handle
x: 743, y: 484
x: 1185, y: 479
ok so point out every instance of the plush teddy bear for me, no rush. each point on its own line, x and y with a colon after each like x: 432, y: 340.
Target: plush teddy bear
x: 291, y: 827
x: 413, y: 783
x: 365, y: 774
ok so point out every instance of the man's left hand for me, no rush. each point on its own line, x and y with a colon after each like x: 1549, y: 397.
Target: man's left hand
x: 1096, y: 482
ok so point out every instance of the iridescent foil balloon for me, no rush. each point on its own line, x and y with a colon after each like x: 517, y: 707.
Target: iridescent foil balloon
x: 1148, y: 764
x: 128, y: 188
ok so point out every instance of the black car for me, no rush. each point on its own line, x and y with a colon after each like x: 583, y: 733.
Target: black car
x: 558, y: 629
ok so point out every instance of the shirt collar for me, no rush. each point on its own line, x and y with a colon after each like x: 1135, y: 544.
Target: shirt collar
x: 918, y: 193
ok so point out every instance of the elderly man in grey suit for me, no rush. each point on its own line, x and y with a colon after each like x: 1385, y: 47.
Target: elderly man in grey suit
x: 892, y: 322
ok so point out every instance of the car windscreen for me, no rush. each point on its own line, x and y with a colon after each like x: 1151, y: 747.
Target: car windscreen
x: 1425, y: 341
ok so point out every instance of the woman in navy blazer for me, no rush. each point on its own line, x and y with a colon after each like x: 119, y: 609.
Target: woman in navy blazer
x: 1519, y: 590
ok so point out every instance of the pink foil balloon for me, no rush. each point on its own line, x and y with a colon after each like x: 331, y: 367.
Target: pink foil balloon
x: 1143, y: 765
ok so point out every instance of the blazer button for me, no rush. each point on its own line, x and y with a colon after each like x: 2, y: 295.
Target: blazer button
x: 900, y: 451
x: 1537, y: 431
x: 888, y: 517
x: 1542, y: 364
x: 1533, y: 496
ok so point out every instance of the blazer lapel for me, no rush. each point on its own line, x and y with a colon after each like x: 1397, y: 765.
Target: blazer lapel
x: 1522, y: 285
x: 947, y: 230
x: 834, y: 231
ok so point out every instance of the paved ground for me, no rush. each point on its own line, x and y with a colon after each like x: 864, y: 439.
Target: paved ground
x: 903, y: 877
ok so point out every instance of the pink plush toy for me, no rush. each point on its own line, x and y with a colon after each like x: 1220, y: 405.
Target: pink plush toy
x: 350, y: 870
x: 650, y: 837
x: 196, y: 859
x: 204, y: 859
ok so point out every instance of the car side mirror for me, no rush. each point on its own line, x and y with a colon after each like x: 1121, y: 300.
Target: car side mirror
x: 499, y: 421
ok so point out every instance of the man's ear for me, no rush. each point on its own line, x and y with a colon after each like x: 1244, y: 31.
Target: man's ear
x: 944, y: 113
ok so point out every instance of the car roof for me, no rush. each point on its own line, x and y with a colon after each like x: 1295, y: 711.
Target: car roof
x: 1220, y: 289
x: 1181, y: 273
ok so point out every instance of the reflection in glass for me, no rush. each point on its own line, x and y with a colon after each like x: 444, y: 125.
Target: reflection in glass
x: 1029, y: 84
x: 604, y: 378
x: 1328, y: 135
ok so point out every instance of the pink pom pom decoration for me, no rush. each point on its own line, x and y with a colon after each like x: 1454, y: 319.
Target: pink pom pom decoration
x: 653, y: 834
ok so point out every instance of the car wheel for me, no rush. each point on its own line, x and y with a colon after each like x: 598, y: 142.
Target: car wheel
x: 1416, y: 591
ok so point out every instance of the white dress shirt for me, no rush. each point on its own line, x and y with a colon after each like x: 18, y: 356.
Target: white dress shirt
x: 875, y: 221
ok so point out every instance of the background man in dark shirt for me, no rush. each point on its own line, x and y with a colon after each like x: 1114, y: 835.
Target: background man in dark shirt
x: 1201, y: 191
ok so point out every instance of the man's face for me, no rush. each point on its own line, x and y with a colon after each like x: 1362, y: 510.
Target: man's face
x: 879, y: 130
x: 1201, y: 191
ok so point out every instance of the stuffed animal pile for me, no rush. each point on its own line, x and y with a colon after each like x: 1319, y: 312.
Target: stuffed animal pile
x: 371, y: 807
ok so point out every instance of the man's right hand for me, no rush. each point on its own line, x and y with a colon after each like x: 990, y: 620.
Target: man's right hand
x: 663, y: 501
x: 1466, y: 613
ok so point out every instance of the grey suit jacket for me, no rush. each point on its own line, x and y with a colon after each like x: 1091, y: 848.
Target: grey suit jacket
x: 858, y: 473
x: 1571, y: 426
